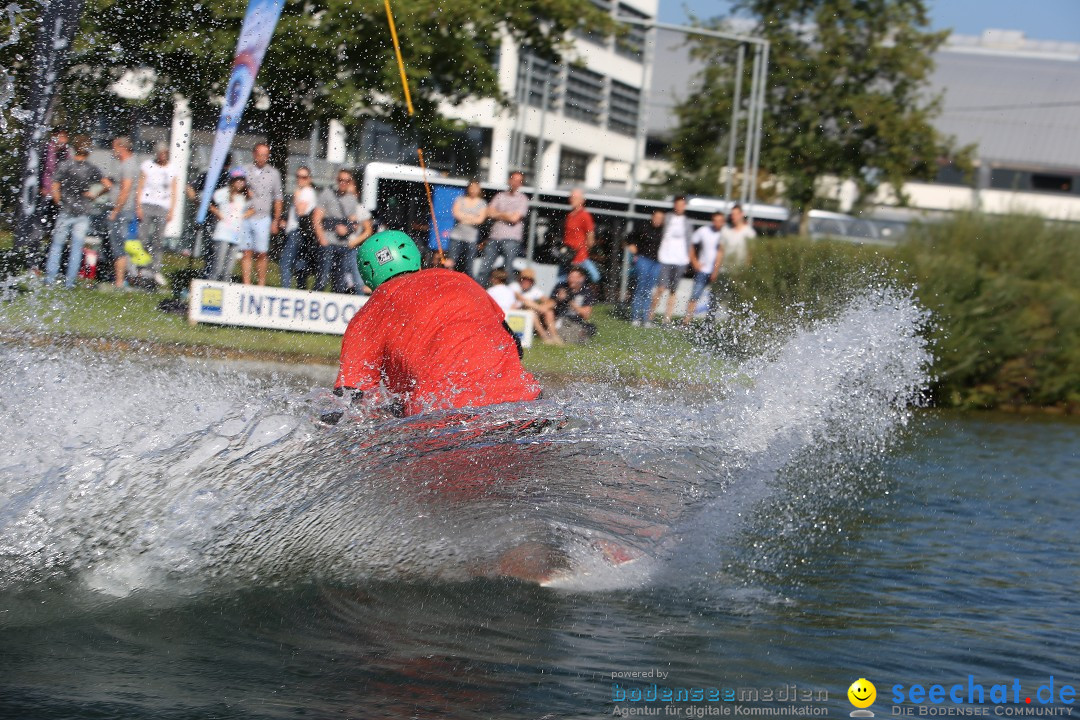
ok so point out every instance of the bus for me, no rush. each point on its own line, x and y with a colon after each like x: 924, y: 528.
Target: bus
x: 395, y: 196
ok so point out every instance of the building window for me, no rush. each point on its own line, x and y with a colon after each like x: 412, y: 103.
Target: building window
x: 949, y: 174
x: 1051, y: 183
x: 572, y: 167
x: 587, y: 33
x: 523, y: 153
x: 1005, y: 179
x: 631, y: 44
x: 584, y: 95
x: 623, y: 108
x: 532, y: 74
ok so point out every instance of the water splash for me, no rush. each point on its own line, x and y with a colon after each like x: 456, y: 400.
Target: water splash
x: 133, y: 473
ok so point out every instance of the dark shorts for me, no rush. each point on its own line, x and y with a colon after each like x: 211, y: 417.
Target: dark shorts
x: 670, y: 275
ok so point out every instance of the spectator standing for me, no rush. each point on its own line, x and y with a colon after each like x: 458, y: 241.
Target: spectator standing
x: 529, y: 297
x: 194, y: 192
x: 508, y: 209
x: 734, y: 237
x: 57, y: 151
x: 267, y: 198
x: 122, y: 200
x: 367, y: 229
x: 301, y: 246
x: 644, y: 242
x: 155, y: 202
x: 341, y: 224
x: 579, y: 234
x: 736, y: 253
x: 231, y: 207
x: 470, y: 212
x: 574, y: 301
x: 706, y: 257
x: 71, y: 192
x: 674, y: 256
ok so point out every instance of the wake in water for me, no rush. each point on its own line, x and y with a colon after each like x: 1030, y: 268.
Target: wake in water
x: 147, y: 474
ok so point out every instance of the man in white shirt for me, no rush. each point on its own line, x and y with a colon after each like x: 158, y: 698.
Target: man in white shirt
x: 674, y: 257
x: 155, y: 202
x: 734, y: 238
x: 706, y: 257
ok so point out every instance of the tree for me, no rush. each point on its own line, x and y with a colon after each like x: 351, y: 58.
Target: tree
x: 847, y: 97
x: 328, y: 58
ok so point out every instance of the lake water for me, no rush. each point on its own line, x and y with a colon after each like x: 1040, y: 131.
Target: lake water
x: 186, y: 541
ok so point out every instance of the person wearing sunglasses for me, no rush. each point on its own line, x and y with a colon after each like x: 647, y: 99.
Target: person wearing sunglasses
x: 301, y: 253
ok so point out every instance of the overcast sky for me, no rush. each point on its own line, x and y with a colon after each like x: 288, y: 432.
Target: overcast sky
x: 1039, y: 19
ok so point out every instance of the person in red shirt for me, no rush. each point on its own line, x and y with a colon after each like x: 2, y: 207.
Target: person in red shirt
x: 435, y: 338
x: 579, y: 234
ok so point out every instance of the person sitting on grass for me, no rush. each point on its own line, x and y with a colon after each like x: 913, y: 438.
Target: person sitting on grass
x: 574, y: 302
x: 529, y: 297
x: 499, y: 291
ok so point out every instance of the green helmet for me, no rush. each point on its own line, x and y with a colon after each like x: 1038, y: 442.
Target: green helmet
x: 386, y: 254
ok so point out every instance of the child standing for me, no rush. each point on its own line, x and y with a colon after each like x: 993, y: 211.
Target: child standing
x: 231, y: 207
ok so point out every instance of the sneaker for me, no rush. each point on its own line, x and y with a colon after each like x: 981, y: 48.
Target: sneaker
x: 635, y: 322
x: 647, y: 323
x: 159, y: 278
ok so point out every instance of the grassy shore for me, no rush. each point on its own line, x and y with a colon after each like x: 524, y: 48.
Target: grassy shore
x: 619, y: 352
x: 1004, y: 294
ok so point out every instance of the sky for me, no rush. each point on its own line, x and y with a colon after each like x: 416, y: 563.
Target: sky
x: 1038, y: 19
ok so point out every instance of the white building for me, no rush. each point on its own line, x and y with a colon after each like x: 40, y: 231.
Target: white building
x: 570, y: 124
x: 1016, y: 99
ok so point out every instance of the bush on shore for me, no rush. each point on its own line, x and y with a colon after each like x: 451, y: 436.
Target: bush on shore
x: 1004, y: 292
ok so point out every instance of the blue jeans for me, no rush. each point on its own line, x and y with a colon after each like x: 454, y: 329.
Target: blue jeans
x: 335, y: 267
x: 509, y: 249
x: 74, y: 226
x: 701, y: 281
x: 289, y: 259
x: 463, y: 254
x: 648, y: 271
x: 588, y: 266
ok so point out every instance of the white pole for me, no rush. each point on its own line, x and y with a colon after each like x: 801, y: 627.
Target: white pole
x: 760, y: 130
x: 733, y: 130
x: 751, y: 123
x: 179, y: 158
x: 639, y: 147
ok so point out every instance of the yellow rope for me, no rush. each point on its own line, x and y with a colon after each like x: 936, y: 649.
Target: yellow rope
x: 419, y: 150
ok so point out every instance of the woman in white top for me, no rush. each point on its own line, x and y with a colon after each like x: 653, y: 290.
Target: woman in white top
x: 470, y: 212
x: 155, y: 202
x: 231, y: 207
x: 301, y: 246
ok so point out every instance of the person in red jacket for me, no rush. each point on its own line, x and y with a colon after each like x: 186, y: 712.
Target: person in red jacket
x: 434, y: 338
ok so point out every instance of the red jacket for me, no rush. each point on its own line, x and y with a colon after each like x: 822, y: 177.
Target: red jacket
x: 579, y: 223
x: 436, y: 338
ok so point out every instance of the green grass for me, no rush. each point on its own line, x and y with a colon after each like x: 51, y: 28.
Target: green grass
x: 619, y: 351
x: 134, y: 317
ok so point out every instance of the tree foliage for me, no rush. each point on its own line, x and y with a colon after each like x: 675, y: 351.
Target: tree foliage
x: 328, y: 58
x: 847, y: 96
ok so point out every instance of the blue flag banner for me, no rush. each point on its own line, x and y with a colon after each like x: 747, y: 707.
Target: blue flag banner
x: 442, y: 198
x: 259, y: 23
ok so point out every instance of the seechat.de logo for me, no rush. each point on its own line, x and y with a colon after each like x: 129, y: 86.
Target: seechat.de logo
x: 862, y: 694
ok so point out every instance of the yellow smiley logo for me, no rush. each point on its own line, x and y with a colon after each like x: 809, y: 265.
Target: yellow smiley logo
x: 862, y: 693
